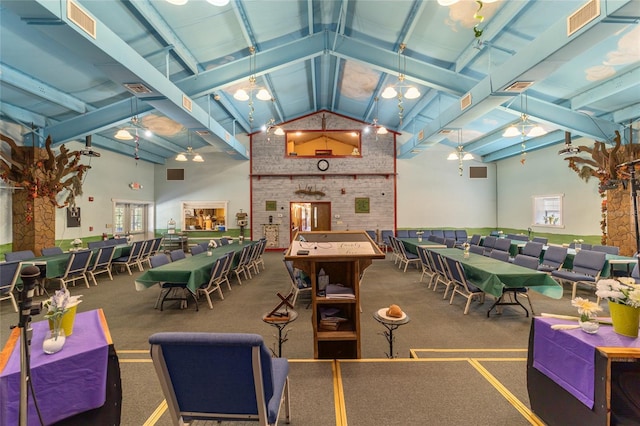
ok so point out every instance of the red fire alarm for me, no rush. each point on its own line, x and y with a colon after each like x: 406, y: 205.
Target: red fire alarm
x: 90, y: 198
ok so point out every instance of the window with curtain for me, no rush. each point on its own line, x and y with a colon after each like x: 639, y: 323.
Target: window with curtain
x: 129, y: 218
x: 547, y: 210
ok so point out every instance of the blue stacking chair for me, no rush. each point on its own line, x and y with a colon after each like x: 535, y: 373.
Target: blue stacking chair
x: 587, y: 266
x: 220, y: 376
x: 50, y: 251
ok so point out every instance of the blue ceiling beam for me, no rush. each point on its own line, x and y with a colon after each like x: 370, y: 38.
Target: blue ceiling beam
x: 269, y: 60
x: 620, y: 83
x: 129, y: 62
x: 151, y: 15
x: 416, y: 71
x: 505, y: 14
x: 42, y: 90
x: 549, y: 139
x: 527, y: 65
x: 630, y: 113
x: 22, y: 116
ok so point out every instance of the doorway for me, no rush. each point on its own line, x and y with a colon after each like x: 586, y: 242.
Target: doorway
x: 310, y: 217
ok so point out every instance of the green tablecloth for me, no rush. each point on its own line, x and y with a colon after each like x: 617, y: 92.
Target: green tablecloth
x: 412, y: 244
x: 57, y: 263
x: 492, y: 275
x: 193, y: 270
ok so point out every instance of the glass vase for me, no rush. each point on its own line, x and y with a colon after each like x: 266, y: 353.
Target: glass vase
x: 54, y: 341
x: 589, y: 323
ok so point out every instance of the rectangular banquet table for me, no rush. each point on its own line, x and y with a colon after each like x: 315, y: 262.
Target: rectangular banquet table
x: 193, y: 270
x: 73, y: 384
x: 56, y: 264
x: 573, y: 377
x: 492, y: 275
x: 412, y: 244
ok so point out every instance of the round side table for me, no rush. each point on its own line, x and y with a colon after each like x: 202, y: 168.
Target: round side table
x: 390, y: 324
x: 280, y: 322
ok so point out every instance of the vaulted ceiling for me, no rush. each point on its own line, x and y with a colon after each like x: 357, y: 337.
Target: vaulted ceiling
x: 72, y: 68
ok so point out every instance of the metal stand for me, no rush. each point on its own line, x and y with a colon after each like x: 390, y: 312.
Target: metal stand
x: 391, y: 326
x: 280, y: 324
x: 515, y: 301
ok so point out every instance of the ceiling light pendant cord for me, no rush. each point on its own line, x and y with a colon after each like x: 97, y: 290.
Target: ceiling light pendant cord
x: 460, y: 153
x: 523, y: 145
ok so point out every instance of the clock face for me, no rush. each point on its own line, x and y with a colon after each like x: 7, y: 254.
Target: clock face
x: 323, y: 165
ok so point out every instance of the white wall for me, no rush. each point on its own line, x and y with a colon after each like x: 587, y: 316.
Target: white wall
x: 547, y: 173
x: 219, y: 178
x: 431, y: 193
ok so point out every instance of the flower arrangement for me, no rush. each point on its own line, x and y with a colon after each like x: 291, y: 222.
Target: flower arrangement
x: 586, y: 308
x: 77, y: 242
x: 622, y: 293
x: 212, y: 244
x: 580, y: 241
x: 420, y: 233
x: 58, y: 305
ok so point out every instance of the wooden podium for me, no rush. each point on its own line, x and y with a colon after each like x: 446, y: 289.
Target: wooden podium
x: 342, y: 256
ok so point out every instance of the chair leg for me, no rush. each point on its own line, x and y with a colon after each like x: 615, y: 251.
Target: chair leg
x: 575, y: 288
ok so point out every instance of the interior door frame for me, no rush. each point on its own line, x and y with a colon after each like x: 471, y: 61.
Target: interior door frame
x: 293, y: 229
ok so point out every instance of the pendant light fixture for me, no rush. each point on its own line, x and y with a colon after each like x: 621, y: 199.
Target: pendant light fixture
x: 459, y: 154
x: 401, y: 90
x: 525, y: 128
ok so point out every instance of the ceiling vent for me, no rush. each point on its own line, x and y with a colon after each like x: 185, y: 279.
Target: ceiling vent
x: 581, y: 17
x: 445, y: 131
x: 518, y: 86
x: 187, y: 103
x: 465, y: 102
x: 202, y: 132
x: 137, y: 88
x: 81, y: 18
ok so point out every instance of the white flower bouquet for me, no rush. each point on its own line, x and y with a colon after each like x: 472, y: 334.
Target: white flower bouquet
x: 58, y: 304
x: 623, y: 292
x: 77, y: 242
x: 212, y: 244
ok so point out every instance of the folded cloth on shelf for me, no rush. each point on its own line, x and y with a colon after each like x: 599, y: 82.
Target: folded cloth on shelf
x: 339, y: 291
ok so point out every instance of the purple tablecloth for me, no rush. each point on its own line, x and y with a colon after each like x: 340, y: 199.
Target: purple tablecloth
x: 568, y: 356
x: 66, y: 383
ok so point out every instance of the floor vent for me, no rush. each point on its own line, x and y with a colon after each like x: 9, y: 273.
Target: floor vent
x: 187, y: 103
x: 465, y: 102
x: 81, y: 18
x: 581, y: 17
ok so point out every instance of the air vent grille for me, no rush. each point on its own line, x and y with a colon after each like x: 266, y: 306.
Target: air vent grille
x: 465, y: 102
x: 137, y: 88
x: 203, y: 132
x: 581, y: 17
x: 519, y: 86
x: 187, y: 103
x: 445, y: 131
x: 81, y: 18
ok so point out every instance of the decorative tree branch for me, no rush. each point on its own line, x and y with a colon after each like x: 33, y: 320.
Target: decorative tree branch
x: 46, y: 177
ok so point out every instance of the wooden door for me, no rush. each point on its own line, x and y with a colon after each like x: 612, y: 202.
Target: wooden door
x: 321, y: 216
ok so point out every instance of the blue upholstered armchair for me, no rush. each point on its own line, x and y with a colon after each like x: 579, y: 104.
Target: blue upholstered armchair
x: 220, y: 376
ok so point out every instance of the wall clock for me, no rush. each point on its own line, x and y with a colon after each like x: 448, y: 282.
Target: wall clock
x: 323, y: 165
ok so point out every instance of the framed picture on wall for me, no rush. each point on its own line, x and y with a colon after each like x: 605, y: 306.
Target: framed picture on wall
x: 271, y: 206
x: 362, y: 205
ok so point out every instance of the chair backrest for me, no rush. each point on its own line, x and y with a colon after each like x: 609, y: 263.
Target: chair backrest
x: 450, y: 242
x: 159, y: 260
x: 583, y: 246
x: 456, y: 273
x: 78, y: 262
x: 607, y: 249
x: 635, y: 273
x: 526, y: 261
x: 437, y: 233
x: 589, y: 262
x: 9, y: 273
x: 461, y: 235
x: 197, y: 250
x: 424, y: 257
x: 542, y: 240
x: 402, y: 233
x: 532, y: 249
x: 103, y: 258
x: 489, y: 242
x: 245, y: 255
x: 157, y: 243
x: 177, y: 255
x: 518, y: 237
x: 224, y: 241
x: 96, y: 244
x: 384, y: 236
x: 500, y: 255
x: 449, y: 233
x: 19, y: 255
x: 476, y: 249
x: 502, y: 244
x: 118, y: 241
x: 136, y: 250
x: 554, y: 256
x: 50, y: 251
x: 229, y: 256
x: 240, y: 381
x: 475, y: 239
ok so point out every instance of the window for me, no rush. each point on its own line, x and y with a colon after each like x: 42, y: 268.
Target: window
x: 547, y: 210
x: 129, y: 218
x: 327, y: 143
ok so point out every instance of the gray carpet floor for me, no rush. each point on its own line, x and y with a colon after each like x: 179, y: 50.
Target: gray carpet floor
x: 450, y: 368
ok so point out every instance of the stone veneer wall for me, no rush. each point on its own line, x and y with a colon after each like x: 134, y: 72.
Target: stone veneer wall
x: 620, y: 221
x: 274, y: 177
